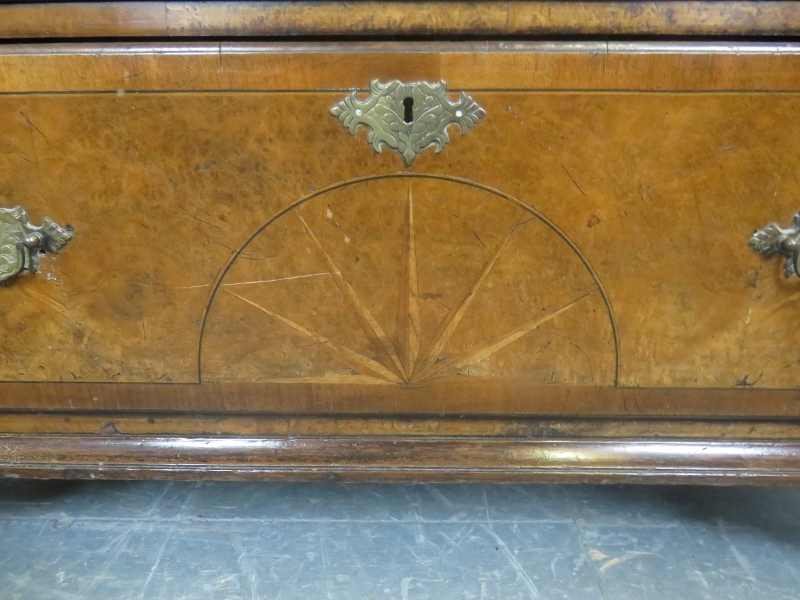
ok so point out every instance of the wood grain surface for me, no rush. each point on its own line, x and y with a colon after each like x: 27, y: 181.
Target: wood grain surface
x: 110, y: 423
x: 374, y: 18
x: 314, y: 66
x: 452, y: 459
x: 581, y: 251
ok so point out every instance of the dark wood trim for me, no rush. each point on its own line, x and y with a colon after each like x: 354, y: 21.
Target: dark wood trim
x: 378, y: 18
x: 401, y: 459
x: 166, y: 423
x: 475, y: 396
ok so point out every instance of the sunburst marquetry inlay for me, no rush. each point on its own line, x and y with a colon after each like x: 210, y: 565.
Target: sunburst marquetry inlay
x: 408, y: 280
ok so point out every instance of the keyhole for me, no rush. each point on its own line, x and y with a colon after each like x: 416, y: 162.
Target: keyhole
x: 408, y: 104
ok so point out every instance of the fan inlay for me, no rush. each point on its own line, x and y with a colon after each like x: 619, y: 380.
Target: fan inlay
x: 407, y: 280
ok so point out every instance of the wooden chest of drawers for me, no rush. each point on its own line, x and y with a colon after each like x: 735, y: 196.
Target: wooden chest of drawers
x: 419, y: 260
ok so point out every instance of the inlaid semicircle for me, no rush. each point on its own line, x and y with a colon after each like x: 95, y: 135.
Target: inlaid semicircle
x: 409, y: 280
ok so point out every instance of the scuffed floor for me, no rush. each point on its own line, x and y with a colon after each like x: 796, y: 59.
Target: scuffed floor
x: 181, y: 541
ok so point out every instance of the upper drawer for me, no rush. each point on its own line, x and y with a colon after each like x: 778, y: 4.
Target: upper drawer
x: 590, y: 229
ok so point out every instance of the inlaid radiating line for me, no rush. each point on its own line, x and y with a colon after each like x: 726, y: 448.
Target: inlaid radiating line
x: 378, y: 340
x: 408, y: 322
x: 444, y: 331
x: 275, y: 280
x: 354, y: 360
x: 485, y: 350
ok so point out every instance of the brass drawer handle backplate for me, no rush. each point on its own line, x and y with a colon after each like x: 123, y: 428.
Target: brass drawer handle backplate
x: 408, y: 117
x: 21, y: 244
x: 772, y: 240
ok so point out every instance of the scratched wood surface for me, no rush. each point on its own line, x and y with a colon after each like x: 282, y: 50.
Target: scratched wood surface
x: 482, y: 65
x: 380, y: 18
x: 575, y: 240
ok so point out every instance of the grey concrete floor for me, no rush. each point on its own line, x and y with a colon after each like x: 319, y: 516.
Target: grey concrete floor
x: 121, y: 540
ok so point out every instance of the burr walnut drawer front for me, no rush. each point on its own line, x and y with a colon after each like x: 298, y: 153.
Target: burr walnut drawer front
x: 549, y: 230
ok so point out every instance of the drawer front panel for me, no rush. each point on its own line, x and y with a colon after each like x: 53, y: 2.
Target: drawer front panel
x: 239, y: 238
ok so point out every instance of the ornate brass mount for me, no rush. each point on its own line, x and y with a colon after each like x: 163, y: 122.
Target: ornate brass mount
x: 21, y: 244
x: 772, y: 240
x: 408, y: 117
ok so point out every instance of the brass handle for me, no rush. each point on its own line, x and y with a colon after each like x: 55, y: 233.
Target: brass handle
x: 772, y: 240
x: 22, y: 244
